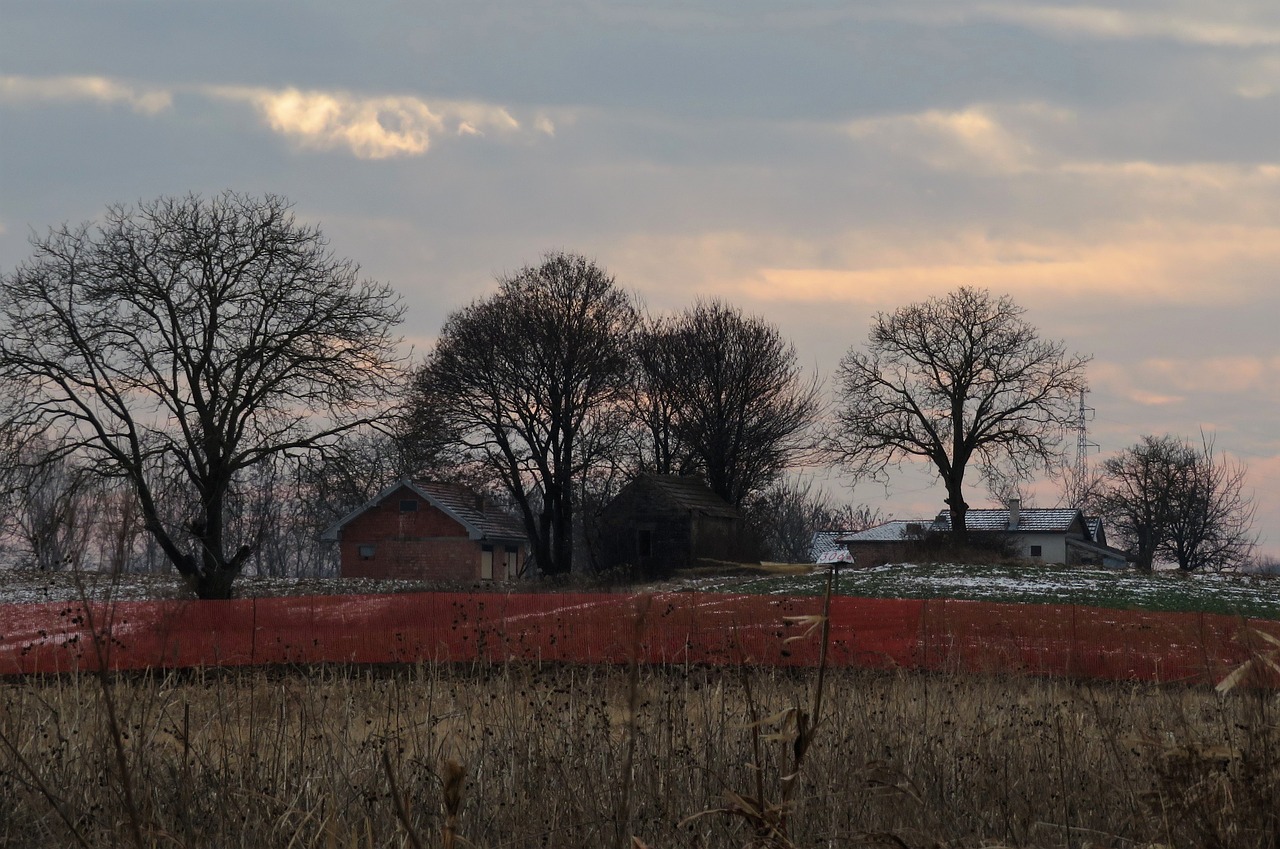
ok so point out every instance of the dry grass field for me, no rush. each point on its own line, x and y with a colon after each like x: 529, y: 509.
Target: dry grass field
x: 575, y: 756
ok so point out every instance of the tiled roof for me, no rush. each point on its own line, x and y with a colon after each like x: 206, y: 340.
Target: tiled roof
x: 894, y: 531
x: 824, y: 543
x: 482, y: 518
x: 1030, y: 520
x: 472, y: 510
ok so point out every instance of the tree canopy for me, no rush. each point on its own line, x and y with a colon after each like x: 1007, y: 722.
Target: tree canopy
x: 953, y: 380
x: 183, y: 341
x: 722, y: 394
x: 530, y: 382
x: 1175, y: 502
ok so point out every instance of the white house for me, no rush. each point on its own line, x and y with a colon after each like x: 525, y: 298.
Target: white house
x: 1057, y: 535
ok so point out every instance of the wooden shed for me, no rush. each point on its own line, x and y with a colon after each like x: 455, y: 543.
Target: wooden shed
x: 660, y: 523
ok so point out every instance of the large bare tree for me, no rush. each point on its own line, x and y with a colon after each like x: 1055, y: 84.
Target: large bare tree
x: 722, y: 393
x: 530, y: 381
x: 955, y: 380
x: 187, y: 340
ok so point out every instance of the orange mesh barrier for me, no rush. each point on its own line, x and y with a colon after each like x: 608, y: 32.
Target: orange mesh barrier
x: 664, y: 628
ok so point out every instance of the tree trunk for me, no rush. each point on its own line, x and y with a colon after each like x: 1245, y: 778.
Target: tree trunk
x: 959, y: 510
x: 214, y: 585
x: 1146, y: 552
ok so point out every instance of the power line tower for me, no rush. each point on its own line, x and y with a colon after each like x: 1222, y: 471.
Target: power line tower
x: 1083, y: 445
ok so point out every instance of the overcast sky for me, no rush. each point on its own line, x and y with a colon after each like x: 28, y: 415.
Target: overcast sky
x: 1114, y: 169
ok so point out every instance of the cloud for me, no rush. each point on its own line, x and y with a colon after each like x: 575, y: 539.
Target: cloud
x: 544, y: 125
x: 1157, y: 263
x: 1236, y: 374
x: 1256, y: 76
x: 377, y: 127
x: 1127, y: 24
x: 1199, y: 175
x: 975, y: 138
x: 1021, y: 139
x: 370, y: 127
x: 1153, y: 399
x: 70, y: 89
x: 1166, y: 381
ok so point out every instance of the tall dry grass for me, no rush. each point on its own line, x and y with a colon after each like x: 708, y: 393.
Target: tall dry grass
x: 351, y: 757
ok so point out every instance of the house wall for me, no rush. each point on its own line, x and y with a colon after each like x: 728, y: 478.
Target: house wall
x: 430, y: 559
x: 880, y: 552
x: 423, y: 544
x: 1053, y: 547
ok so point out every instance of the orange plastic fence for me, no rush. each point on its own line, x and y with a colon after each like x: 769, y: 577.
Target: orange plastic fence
x: 670, y: 628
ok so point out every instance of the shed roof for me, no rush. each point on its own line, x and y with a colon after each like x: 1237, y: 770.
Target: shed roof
x: 691, y: 493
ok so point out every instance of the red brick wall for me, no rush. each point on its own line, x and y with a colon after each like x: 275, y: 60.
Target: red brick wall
x: 425, y: 544
x: 432, y: 558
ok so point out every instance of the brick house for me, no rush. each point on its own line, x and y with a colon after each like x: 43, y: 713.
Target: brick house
x: 430, y: 531
x: 659, y: 523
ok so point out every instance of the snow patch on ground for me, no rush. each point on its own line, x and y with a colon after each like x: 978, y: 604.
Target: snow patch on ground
x: 25, y: 587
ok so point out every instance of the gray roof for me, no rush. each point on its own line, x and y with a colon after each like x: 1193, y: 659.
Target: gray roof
x: 895, y: 531
x: 1030, y: 520
x: 472, y: 510
x: 481, y: 518
x: 824, y: 542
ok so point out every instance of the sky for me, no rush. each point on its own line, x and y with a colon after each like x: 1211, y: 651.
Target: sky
x: 1113, y: 168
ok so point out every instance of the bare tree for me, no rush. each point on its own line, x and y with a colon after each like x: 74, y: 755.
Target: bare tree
x: 529, y: 382
x: 1079, y: 488
x: 656, y: 446
x: 1138, y: 498
x: 1212, y: 526
x: 54, y: 515
x: 1176, y: 502
x: 722, y: 393
x: 11, y: 446
x: 954, y: 380
x: 787, y: 515
x: 198, y: 337
x: 57, y: 515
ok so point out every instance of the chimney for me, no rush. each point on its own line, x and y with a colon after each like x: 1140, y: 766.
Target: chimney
x: 1015, y: 509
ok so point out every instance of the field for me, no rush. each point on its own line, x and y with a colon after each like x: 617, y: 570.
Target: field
x: 1254, y: 596
x: 572, y: 756
x: 539, y: 754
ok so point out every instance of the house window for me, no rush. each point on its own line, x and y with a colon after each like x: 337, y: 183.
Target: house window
x: 366, y: 552
x: 644, y: 542
x: 1036, y: 551
x: 408, y: 505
